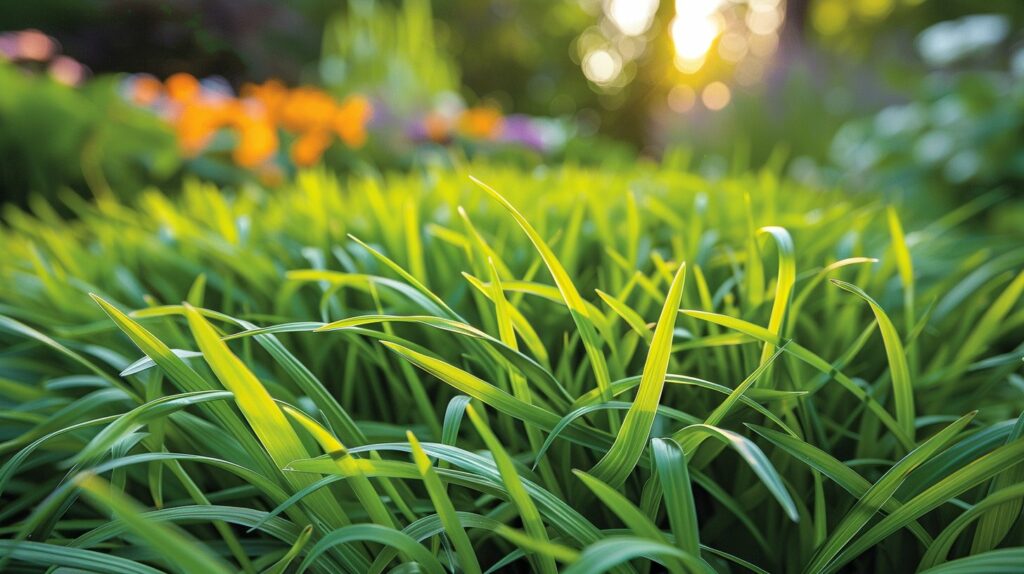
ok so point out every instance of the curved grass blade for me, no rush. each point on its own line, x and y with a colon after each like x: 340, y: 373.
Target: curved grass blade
x: 815, y: 361
x: 750, y: 453
x: 903, y: 390
x: 841, y: 474
x: 374, y: 533
x: 783, y: 285
x: 570, y: 295
x: 281, y: 566
x: 620, y: 460
x: 617, y: 550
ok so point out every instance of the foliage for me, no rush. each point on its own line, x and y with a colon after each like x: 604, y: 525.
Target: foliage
x: 395, y: 53
x: 960, y: 134
x: 856, y: 372
x: 57, y: 136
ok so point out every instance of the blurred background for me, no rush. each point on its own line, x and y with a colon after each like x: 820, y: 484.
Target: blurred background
x: 905, y: 97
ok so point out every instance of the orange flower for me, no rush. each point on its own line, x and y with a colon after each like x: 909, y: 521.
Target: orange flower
x: 308, y: 147
x: 437, y: 127
x: 146, y: 90
x: 271, y: 95
x: 350, y: 121
x: 183, y: 88
x: 195, y: 126
x: 257, y: 141
x: 307, y: 109
x: 481, y: 122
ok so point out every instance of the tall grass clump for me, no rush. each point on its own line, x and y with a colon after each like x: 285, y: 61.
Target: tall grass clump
x: 566, y: 370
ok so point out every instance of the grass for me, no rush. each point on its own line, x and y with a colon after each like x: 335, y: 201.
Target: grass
x: 562, y: 370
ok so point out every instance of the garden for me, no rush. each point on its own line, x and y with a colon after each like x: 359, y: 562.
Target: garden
x: 690, y: 286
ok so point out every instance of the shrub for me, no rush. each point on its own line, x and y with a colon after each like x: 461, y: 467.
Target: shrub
x: 363, y: 374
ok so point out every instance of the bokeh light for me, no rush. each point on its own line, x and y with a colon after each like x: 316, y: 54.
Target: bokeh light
x: 716, y: 96
x: 633, y: 17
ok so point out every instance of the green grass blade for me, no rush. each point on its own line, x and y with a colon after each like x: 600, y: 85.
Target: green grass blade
x: 629, y: 444
x: 445, y: 509
x: 517, y: 492
x: 178, y: 549
x: 569, y: 293
x: 670, y: 464
x: 903, y: 389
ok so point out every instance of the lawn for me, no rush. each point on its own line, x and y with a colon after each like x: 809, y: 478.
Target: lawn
x: 482, y: 368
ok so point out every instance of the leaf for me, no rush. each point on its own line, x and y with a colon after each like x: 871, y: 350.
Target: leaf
x: 629, y: 443
x: 181, y: 551
x: 670, y: 464
x: 615, y: 550
x: 445, y: 509
x: 374, y: 533
x: 903, y: 389
x: 570, y: 295
x: 517, y: 493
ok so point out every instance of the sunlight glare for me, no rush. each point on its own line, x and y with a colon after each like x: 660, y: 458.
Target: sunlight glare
x: 633, y: 17
x: 695, y: 28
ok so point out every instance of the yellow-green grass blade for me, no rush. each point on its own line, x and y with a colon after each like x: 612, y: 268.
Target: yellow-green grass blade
x: 628, y: 513
x: 902, y: 386
x: 267, y: 420
x: 407, y: 277
x: 281, y: 566
x: 593, y: 407
x: 189, y: 381
x: 444, y: 507
x: 990, y: 323
x: 519, y: 384
x: 783, y: 284
x: 815, y: 361
x: 570, y: 295
x: 631, y: 317
x: 526, y: 331
x: 182, y: 552
x: 904, y: 265
x: 723, y: 409
x: 494, y: 397
x: 880, y: 493
x: 528, y: 512
x: 139, y: 416
x: 529, y: 544
x: 631, y: 439
x: 553, y: 389
x: 801, y: 299
x: 364, y: 491
x: 747, y: 398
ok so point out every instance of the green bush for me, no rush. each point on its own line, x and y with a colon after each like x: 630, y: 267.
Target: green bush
x: 305, y: 407
x: 54, y: 136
